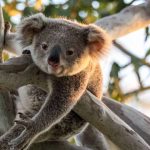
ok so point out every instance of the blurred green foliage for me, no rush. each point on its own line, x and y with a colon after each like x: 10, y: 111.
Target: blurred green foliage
x: 86, y: 11
x: 82, y: 10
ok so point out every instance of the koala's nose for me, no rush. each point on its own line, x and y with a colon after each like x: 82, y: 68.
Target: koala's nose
x: 54, y: 57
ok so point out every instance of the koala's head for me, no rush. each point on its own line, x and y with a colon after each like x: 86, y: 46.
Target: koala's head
x: 59, y: 46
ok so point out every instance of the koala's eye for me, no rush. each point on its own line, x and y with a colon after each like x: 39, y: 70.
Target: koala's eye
x: 44, y: 46
x: 69, y: 52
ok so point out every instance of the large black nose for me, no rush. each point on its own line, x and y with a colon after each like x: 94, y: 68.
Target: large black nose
x: 54, y: 57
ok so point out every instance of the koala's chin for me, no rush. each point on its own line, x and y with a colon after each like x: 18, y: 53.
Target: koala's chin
x: 57, y: 71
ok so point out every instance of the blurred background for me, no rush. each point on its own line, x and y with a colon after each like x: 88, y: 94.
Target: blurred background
x: 127, y: 66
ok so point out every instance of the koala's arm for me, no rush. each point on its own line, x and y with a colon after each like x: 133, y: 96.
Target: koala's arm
x: 64, y: 96
x: 12, y: 133
x: 66, y: 92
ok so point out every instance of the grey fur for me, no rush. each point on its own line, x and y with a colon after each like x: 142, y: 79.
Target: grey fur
x: 67, y: 82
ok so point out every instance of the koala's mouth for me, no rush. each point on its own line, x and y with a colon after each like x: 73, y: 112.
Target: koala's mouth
x: 56, y: 70
x: 55, y: 66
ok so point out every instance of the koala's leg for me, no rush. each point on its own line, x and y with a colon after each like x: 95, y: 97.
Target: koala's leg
x: 12, y: 133
x: 69, y: 126
x: 32, y: 98
x: 54, y: 109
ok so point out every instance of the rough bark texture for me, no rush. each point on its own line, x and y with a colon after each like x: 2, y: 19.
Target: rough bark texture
x: 6, y: 109
x: 128, y: 20
x: 93, y: 139
x: 6, y: 103
x: 109, y: 124
x: 138, y: 121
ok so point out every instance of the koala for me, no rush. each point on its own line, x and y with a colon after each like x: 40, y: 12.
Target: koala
x: 68, y: 52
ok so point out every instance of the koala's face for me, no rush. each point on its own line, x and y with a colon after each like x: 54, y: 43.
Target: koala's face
x: 59, y: 46
x: 60, y: 50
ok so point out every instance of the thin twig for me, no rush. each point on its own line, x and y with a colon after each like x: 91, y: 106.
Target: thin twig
x: 124, y: 50
x: 129, y: 94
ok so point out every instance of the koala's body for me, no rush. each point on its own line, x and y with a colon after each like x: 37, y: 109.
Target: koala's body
x: 69, y: 53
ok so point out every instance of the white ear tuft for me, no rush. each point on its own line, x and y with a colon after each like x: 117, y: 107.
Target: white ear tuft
x: 29, y: 27
x: 98, y: 41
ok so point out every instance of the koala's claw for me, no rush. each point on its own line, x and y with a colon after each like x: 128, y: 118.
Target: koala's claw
x: 23, y: 116
x: 4, y: 145
x: 23, y: 120
x: 25, y: 137
x: 21, y: 142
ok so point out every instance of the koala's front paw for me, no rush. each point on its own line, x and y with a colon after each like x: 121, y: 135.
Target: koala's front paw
x: 26, y: 136
x: 21, y: 142
x: 4, y: 145
x: 24, y: 120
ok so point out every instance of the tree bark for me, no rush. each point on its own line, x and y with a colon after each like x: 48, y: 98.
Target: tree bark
x: 7, y: 112
x: 128, y: 20
x: 136, y: 120
x: 109, y: 124
x: 92, y: 138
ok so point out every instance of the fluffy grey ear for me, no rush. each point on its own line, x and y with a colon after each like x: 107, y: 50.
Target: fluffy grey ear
x: 29, y: 27
x: 98, y: 40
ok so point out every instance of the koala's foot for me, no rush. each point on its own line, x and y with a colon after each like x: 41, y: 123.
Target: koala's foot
x: 12, y: 133
x: 4, y: 145
x: 22, y: 141
x: 24, y: 120
x: 26, y: 136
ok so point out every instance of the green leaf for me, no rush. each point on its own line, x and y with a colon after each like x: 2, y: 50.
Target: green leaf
x: 147, y: 53
x: 147, y: 33
x: 115, y: 70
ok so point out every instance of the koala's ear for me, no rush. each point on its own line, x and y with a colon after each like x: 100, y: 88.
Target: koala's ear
x: 98, y: 41
x: 29, y: 27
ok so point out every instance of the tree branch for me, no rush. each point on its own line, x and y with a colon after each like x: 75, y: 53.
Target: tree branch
x: 128, y: 20
x: 124, y: 50
x: 7, y: 112
x: 92, y: 138
x: 129, y: 94
x: 138, y: 121
x: 109, y: 124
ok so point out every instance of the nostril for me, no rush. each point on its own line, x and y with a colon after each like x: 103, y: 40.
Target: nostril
x: 53, y: 61
x: 53, y: 58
